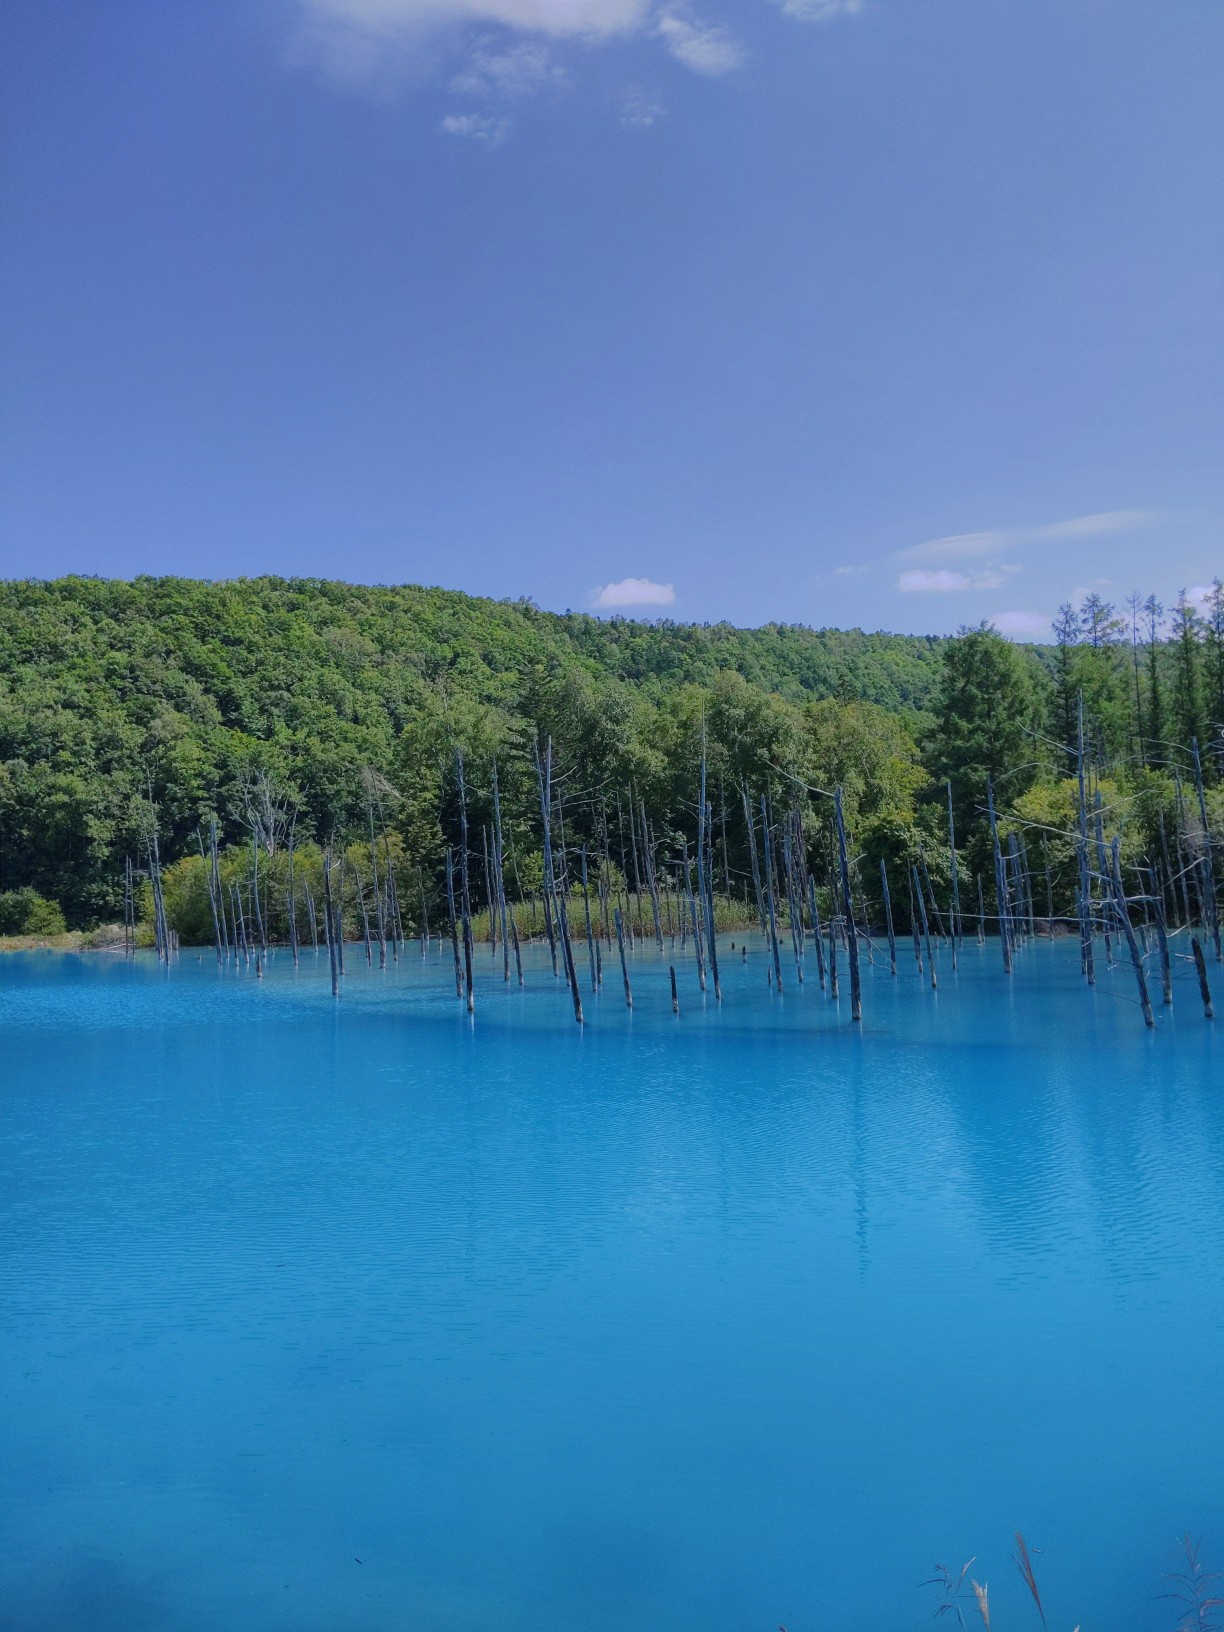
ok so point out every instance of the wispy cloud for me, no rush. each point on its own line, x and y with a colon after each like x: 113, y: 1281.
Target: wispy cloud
x: 703, y: 47
x: 979, y: 546
x: 477, y: 127
x: 1095, y: 526
x: 356, y: 40
x: 516, y: 70
x: 640, y: 111
x: 340, y: 25
x: 633, y: 592
x: 956, y: 547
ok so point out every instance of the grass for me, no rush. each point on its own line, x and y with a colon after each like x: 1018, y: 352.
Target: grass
x: 106, y: 938
x: 1192, y: 1588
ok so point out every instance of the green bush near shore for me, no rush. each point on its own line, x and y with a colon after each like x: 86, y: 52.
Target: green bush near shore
x: 25, y: 912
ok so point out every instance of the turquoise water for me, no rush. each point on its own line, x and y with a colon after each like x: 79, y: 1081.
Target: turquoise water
x: 353, y: 1317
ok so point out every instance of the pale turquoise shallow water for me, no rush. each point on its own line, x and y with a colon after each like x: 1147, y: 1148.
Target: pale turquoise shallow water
x: 709, y: 1324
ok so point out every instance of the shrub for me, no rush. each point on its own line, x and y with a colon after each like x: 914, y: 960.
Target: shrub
x: 44, y: 918
x: 15, y: 909
x: 25, y: 912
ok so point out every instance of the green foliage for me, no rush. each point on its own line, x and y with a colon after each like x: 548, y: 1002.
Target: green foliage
x: 1189, y: 715
x: 44, y: 918
x: 14, y: 910
x: 1045, y: 818
x: 340, y: 706
x: 985, y: 715
x: 25, y: 912
x: 188, y: 910
x: 111, y: 690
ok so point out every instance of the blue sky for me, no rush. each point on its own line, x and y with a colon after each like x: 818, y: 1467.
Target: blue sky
x: 899, y: 313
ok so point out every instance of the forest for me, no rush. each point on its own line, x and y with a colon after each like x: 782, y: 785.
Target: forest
x: 298, y: 715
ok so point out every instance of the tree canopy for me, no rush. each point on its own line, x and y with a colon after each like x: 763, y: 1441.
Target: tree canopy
x: 177, y: 695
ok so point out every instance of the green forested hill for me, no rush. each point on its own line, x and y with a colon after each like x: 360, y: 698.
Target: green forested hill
x: 106, y: 686
x: 895, y: 671
x: 172, y: 696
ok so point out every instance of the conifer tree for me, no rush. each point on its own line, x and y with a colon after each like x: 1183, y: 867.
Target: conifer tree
x: 1088, y: 664
x: 1066, y: 691
x: 1153, y: 612
x: 1187, y: 672
x: 1134, y: 606
x: 984, y: 714
x: 1214, y: 655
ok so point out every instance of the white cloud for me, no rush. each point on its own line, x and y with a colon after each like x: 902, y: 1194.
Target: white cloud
x: 821, y: 11
x: 634, y: 592
x: 939, y: 582
x: 1022, y: 625
x: 351, y: 28
x: 385, y: 41
x: 519, y: 70
x: 476, y: 126
x: 703, y: 47
x: 943, y: 579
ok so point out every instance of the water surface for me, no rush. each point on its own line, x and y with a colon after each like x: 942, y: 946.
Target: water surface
x: 354, y: 1317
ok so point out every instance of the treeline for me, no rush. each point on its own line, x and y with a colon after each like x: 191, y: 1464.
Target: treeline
x: 108, y: 688
x: 1152, y: 682
x: 171, y: 701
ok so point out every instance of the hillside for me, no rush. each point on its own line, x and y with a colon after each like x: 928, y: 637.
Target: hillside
x: 118, y: 699
x: 107, y: 686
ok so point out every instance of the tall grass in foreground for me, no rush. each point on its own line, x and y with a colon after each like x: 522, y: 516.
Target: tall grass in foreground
x: 966, y: 1601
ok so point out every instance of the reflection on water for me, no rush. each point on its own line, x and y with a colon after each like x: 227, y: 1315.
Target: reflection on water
x: 328, y: 1317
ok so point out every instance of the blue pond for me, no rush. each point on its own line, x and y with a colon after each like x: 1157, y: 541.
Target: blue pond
x: 361, y: 1316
